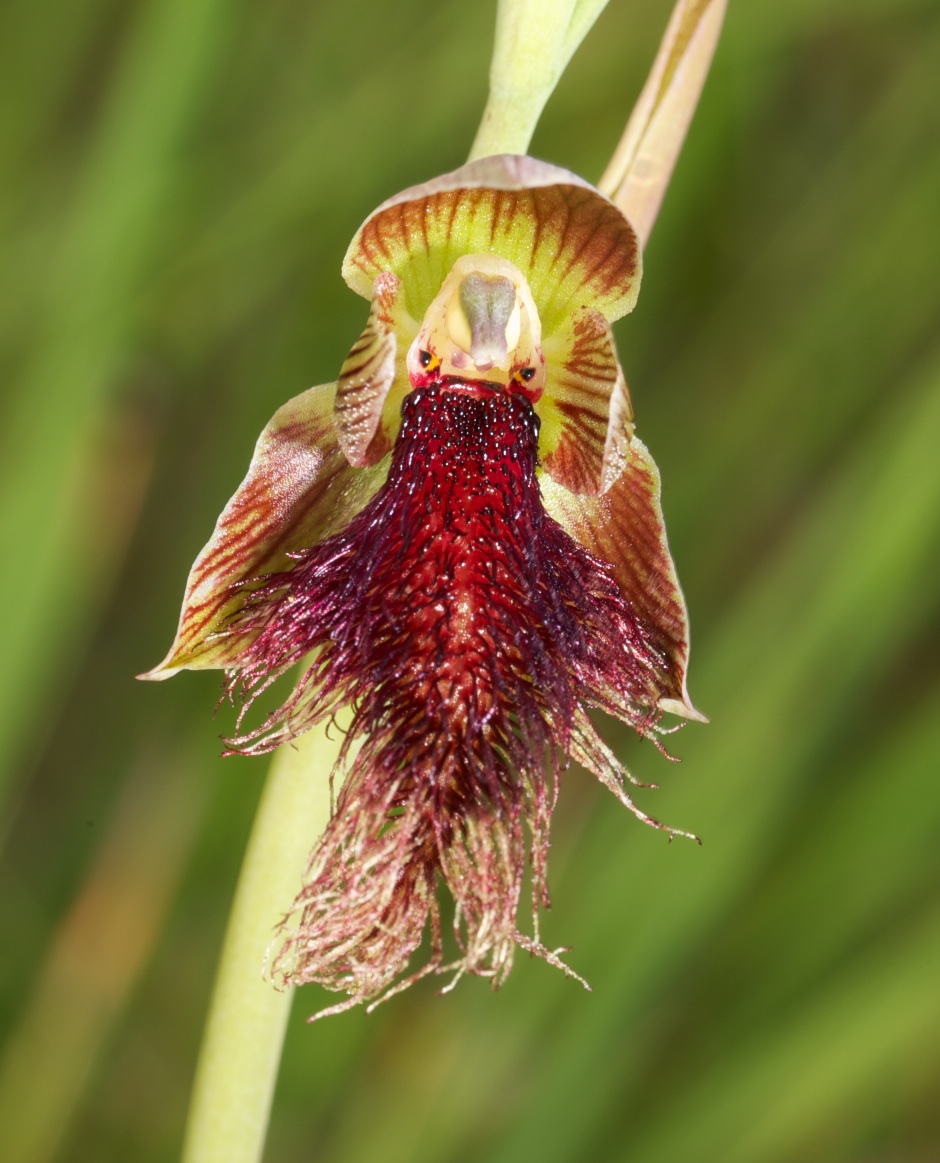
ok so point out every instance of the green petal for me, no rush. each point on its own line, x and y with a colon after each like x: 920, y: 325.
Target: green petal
x: 625, y: 528
x: 574, y: 247
x: 300, y: 489
x: 374, y: 379
x: 587, y: 418
x: 642, y: 165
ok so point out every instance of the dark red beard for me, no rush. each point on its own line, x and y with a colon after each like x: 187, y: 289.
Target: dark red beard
x: 469, y: 633
x: 463, y: 624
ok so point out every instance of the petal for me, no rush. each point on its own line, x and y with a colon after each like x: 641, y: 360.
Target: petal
x: 624, y: 527
x: 374, y: 379
x: 572, y: 244
x: 642, y: 165
x: 299, y: 490
x: 587, y: 418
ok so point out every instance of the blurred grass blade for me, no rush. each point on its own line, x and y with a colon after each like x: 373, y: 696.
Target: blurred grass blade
x: 887, y: 820
x: 639, y: 172
x: 98, y: 953
x: 831, y: 1064
x: 60, y: 36
x: 56, y: 414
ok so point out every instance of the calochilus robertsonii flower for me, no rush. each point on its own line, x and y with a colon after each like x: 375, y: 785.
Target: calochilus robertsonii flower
x: 461, y: 542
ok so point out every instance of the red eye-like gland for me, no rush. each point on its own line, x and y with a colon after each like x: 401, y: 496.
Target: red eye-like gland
x: 521, y: 379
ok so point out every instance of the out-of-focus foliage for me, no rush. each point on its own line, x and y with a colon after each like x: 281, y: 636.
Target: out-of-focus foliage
x: 181, y: 180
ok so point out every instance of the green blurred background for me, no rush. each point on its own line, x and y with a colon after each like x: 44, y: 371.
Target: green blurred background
x: 181, y: 178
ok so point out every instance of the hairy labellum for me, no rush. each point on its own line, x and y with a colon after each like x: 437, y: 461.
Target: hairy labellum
x: 470, y: 634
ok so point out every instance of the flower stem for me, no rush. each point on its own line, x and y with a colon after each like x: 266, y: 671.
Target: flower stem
x: 535, y: 40
x: 241, y: 1047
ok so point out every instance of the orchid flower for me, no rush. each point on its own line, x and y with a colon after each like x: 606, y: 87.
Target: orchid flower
x: 461, y: 541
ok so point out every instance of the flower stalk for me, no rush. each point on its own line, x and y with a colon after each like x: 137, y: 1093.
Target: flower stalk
x: 244, y: 1033
x: 535, y: 40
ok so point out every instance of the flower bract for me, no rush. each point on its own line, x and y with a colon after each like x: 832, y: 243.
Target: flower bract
x: 461, y: 541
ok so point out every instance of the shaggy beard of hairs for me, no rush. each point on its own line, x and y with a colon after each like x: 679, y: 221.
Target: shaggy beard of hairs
x: 469, y: 633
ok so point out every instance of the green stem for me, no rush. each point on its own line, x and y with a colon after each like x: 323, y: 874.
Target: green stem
x: 535, y: 40
x: 241, y: 1046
